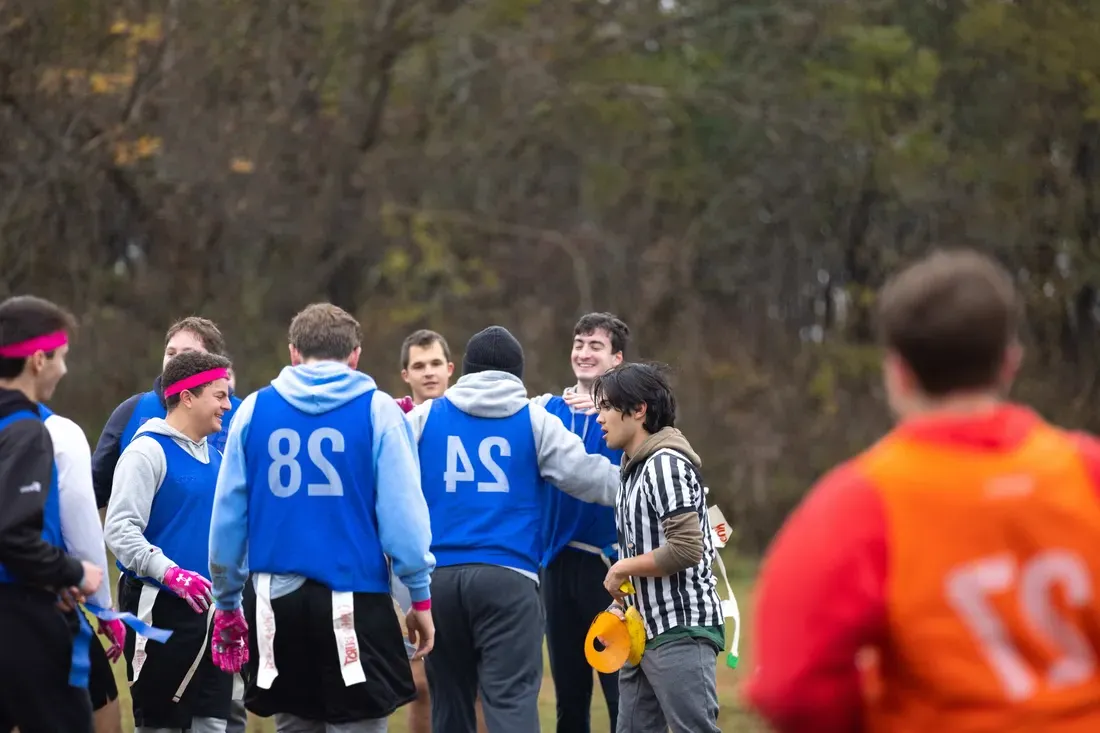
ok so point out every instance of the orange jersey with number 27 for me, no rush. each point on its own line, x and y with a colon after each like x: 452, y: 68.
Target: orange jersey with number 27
x: 993, y: 597
x: 959, y: 560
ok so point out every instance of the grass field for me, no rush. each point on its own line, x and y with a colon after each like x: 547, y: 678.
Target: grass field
x: 731, y: 719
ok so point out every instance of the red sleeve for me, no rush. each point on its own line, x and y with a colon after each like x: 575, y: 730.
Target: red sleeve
x: 821, y: 598
x: 406, y: 403
x: 1089, y: 447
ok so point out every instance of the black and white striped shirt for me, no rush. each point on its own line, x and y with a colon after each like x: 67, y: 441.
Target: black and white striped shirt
x: 665, y: 484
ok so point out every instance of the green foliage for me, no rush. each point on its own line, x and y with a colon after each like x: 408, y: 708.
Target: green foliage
x: 454, y: 163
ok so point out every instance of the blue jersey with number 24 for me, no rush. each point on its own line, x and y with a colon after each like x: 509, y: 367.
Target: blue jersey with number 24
x: 484, y: 490
x: 312, y: 492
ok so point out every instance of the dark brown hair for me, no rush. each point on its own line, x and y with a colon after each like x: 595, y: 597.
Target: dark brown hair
x: 423, y: 339
x: 324, y: 331
x: 187, y: 364
x: 204, y: 328
x: 26, y: 317
x: 628, y: 386
x: 951, y: 317
x: 617, y: 331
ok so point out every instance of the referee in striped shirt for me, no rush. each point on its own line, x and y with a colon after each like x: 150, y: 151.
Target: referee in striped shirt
x: 666, y: 551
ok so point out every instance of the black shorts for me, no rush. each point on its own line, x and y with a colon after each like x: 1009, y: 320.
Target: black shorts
x: 310, y: 684
x: 35, y: 661
x: 164, y: 667
x: 102, y: 688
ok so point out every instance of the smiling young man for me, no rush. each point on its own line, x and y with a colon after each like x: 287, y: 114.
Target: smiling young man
x: 158, y: 526
x: 38, y: 658
x: 947, y: 578
x: 426, y: 367
x: 188, y: 334
x: 580, y: 537
x: 666, y: 552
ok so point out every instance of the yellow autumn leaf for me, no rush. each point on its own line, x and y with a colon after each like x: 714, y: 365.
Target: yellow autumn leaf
x: 147, y: 146
x: 241, y: 165
x: 119, y: 27
x: 100, y: 84
x: 150, y: 30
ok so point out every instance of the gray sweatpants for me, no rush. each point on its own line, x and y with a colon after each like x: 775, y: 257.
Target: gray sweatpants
x: 675, y: 687
x: 238, y: 715
x: 488, y: 642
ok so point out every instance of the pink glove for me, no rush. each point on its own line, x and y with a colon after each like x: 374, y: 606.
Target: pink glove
x: 189, y: 586
x: 115, y: 631
x: 229, y: 642
x: 405, y: 403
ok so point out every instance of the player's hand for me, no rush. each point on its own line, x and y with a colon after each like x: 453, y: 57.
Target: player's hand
x: 616, y: 610
x: 615, y: 581
x: 115, y: 631
x: 421, y: 631
x: 93, y: 576
x: 191, y: 587
x: 229, y: 642
x: 581, y: 402
x: 69, y: 598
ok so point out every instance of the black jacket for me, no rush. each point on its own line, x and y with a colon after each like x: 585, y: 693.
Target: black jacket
x: 26, y: 459
x: 107, y: 450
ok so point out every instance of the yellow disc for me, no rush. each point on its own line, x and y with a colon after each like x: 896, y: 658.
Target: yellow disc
x: 612, y: 633
x: 635, y: 629
x: 627, y: 587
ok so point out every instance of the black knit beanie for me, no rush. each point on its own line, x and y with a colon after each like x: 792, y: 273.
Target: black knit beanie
x: 493, y: 349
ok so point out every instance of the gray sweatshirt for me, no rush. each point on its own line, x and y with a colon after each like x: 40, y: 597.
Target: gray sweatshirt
x: 563, y: 460
x: 138, y: 476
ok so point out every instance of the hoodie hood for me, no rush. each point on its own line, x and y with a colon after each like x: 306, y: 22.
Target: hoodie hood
x: 670, y: 438
x: 321, y: 387
x: 488, y: 394
x: 159, y: 426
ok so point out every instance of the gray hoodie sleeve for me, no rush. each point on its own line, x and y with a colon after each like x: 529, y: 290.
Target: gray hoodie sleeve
x: 564, y: 462
x: 138, y: 476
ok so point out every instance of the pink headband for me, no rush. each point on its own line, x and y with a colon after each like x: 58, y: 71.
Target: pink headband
x: 46, y: 342
x: 197, y: 380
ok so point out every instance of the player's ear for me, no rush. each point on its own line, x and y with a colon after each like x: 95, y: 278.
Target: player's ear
x: 295, y: 357
x: 450, y: 368
x: 1014, y: 357
x: 353, y: 360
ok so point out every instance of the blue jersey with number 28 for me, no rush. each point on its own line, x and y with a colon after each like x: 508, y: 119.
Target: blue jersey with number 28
x: 311, y: 490
x: 484, y: 490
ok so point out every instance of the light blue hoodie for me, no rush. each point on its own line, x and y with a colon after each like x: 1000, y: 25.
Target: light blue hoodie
x: 403, y: 525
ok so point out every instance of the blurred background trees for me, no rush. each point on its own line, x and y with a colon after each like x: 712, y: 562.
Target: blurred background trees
x: 735, y: 179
